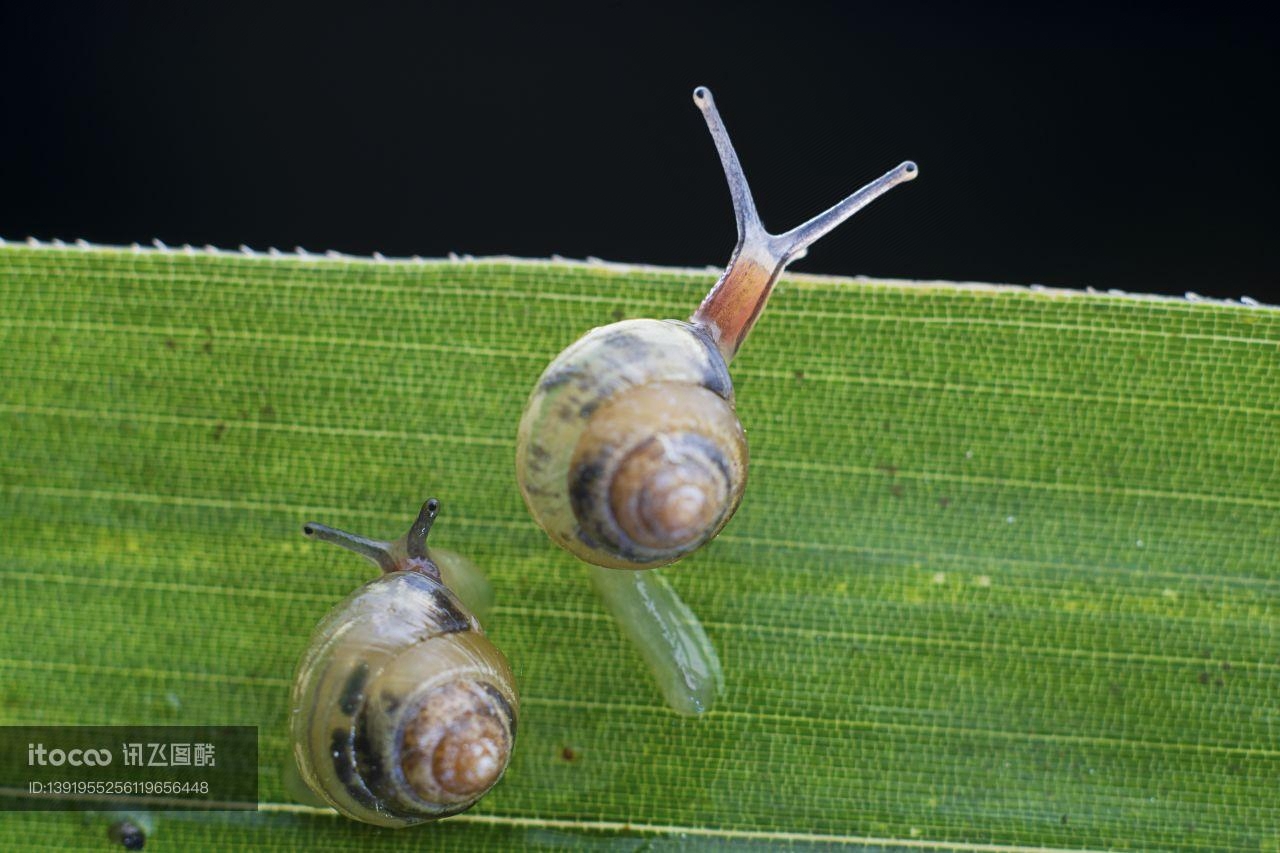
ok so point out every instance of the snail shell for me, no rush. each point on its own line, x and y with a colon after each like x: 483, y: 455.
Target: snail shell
x: 630, y: 454
x: 403, y: 711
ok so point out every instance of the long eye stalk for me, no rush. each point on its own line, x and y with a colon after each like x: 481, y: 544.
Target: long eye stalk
x: 374, y: 549
x: 732, y: 306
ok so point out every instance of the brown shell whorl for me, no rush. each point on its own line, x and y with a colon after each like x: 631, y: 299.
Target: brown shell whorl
x: 658, y: 471
x: 457, y: 744
x: 667, y: 491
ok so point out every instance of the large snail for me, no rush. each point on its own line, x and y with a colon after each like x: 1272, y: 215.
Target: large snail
x: 630, y: 454
x: 403, y: 711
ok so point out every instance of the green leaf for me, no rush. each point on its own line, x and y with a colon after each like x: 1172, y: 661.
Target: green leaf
x: 1006, y: 575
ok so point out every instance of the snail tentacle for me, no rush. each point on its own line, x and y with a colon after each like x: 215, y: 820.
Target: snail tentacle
x: 731, y: 308
x: 790, y: 244
x: 379, y: 552
x: 744, y: 206
x: 416, y: 539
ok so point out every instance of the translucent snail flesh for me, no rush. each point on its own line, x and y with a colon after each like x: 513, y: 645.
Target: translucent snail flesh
x: 667, y: 634
x: 403, y: 711
x: 630, y: 454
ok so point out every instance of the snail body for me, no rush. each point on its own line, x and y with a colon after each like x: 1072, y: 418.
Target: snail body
x: 403, y: 710
x: 630, y: 454
x: 668, y: 635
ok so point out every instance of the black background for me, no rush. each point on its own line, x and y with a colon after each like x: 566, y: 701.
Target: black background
x: 1129, y: 148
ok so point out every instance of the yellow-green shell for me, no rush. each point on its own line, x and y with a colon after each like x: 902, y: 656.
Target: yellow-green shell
x: 605, y: 362
x: 371, y: 663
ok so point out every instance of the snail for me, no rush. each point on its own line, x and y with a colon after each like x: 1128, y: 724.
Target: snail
x: 403, y: 711
x: 630, y: 454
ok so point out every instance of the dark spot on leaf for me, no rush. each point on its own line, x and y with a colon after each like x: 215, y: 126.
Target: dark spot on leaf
x: 897, y: 490
x: 267, y: 412
x: 618, y: 315
x: 889, y: 470
x: 1226, y: 666
x: 1064, y: 820
x: 218, y: 429
x: 1206, y: 652
x: 1218, y: 682
x: 207, y: 347
x: 569, y: 754
x: 799, y: 375
x: 170, y: 343
x: 55, y: 340
x: 944, y: 501
x: 1204, y: 677
x: 127, y: 834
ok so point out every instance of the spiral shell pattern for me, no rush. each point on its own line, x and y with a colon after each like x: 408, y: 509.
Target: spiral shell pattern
x: 403, y: 711
x: 630, y: 454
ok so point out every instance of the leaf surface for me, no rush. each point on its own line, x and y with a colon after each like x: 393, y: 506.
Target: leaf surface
x: 1006, y: 576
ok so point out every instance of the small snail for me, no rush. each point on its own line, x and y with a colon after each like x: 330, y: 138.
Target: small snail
x: 403, y: 711
x: 630, y: 454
